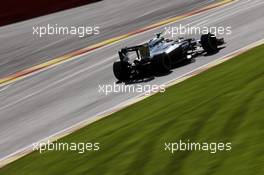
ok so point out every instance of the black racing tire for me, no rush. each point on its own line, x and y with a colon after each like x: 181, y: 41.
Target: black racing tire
x: 121, y: 70
x: 163, y: 63
x: 209, y: 43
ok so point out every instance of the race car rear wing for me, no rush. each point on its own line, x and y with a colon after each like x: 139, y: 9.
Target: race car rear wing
x: 142, y: 51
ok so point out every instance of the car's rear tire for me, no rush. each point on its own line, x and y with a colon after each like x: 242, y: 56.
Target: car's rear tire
x: 163, y: 63
x: 121, y: 70
x: 209, y: 43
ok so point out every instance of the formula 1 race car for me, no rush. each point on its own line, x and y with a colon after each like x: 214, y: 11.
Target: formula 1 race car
x: 160, y: 54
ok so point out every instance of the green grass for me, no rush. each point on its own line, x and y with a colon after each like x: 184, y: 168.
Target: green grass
x: 224, y: 104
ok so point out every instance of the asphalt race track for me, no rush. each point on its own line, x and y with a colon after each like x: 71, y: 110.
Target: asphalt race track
x: 22, y: 49
x: 42, y: 104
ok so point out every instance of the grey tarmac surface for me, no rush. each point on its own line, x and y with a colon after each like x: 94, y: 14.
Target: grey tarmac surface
x: 21, y: 49
x: 45, y: 103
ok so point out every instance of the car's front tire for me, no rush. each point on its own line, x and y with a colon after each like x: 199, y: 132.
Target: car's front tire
x: 209, y: 43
